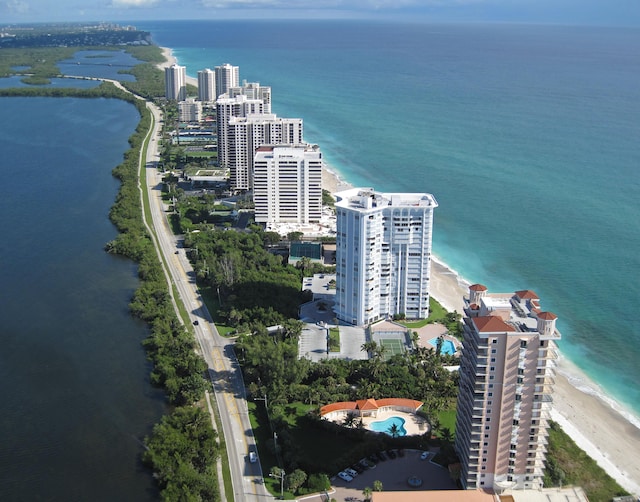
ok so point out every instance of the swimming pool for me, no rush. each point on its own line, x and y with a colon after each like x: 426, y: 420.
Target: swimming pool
x: 448, y: 347
x: 385, y: 426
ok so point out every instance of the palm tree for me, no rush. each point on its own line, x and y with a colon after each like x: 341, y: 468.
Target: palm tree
x: 366, y: 493
x: 377, y: 485
x: 394, y: 431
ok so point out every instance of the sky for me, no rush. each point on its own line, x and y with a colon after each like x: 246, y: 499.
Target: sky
x: 584, y: 12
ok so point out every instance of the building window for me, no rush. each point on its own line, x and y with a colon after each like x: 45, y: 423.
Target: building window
x: 523, y: 344
x: 518, y: 397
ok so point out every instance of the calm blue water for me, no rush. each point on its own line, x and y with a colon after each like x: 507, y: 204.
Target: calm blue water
x: 527, y: 135
x: 385, y: 425
x: 76, y: 398
x: 447, y: 348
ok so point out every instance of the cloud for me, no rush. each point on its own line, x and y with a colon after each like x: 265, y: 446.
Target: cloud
x: 17, y: 6
x: 133, y: 3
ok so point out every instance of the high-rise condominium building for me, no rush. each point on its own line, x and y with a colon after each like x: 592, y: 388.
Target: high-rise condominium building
x: 226, y: 108
x: 227, y: 76
x: 207, y: 86
x: 244, y: 136
x: 287, y: 184
x: 253, y: 90
x: 383, y: 255
x: 190, y: 110
x: 175, y: 82
x: 506, y: 381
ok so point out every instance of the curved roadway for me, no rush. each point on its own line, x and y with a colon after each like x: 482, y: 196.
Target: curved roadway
x: 217, y: 351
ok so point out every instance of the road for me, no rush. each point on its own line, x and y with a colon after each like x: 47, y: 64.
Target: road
x: 217, y: 351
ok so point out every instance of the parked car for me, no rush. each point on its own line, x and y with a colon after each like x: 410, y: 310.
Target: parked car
x: 382, y: 455
x: 366, y: 463
x: 424, y: 455
x: 358, y: 468
x: 392, y: 453
x: 345, y: 476
x: 253, y: 457
x: 351, y: 472
x: 373, y: 459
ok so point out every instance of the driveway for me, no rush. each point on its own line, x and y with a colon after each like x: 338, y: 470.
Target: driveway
x: 394, y: 474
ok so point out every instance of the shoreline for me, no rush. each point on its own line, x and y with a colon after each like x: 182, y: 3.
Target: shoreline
x: 602, y: 429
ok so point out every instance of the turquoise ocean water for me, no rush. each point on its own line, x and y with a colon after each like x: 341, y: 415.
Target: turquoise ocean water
x: 528, y: 136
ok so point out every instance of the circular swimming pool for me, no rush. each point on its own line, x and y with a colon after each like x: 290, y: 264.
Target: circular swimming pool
x: 386, y: 426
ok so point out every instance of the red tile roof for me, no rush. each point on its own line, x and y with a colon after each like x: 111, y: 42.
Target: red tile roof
x: 398, y: 401
x: 370, y: 404
x: 343, y: 405
x: 491, y: 324
x: 366, y: 404
x: 547, y: 316
x: 527, y: 294
x: 478, y: 287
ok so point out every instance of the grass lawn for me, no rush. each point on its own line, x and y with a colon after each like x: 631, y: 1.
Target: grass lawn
x: 448, y: 419
x: 334, y: 339
x: 210, y: 298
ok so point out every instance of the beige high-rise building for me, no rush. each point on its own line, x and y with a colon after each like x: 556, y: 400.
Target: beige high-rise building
x: 506, y: 382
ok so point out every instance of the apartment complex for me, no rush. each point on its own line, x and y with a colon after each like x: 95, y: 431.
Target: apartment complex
x: 175, y: 82
x: 383, y: 255
x: 190, y: 110
x: 506, y: 381
x: 245, y: 134
x: 227, y: 76
x: 287, y: 184
x: 253, y: 90
x: 226, y: 108
x: 207, y: 86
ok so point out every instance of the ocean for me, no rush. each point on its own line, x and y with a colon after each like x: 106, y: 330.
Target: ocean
x: 74, y: 379
x: 527, y: 135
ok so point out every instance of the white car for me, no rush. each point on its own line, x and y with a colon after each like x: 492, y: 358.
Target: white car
x: 345, y: 476
x: 424, y: 455
x: 351, y: 472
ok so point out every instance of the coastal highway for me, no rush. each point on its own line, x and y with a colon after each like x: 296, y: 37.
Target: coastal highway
x: 217, y: 351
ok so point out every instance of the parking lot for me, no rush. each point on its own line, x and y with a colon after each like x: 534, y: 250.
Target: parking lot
x: 393, y: 473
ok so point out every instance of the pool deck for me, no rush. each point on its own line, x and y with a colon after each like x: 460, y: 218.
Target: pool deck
x: 413, y: 424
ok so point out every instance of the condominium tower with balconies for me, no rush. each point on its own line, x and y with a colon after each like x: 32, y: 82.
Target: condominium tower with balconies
x: 287, y: 184
x: 207, y: 86
x: 175, y: 82
x: 227, y: 76
x: 383, y: 255
x: 506, y: 381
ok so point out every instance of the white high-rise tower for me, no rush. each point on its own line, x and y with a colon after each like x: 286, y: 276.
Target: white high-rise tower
x: 383, y: 255
x: 287, y: 184
x: 175, y: 82
x: 207, y: 86
x: 227, y: 76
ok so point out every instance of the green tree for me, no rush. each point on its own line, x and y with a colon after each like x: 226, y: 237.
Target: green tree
x: 366, y: 493
x: 295, y: 480
x: 377, y: 485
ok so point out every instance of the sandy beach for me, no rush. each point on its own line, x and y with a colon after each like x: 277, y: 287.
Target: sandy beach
x: 599, y: 429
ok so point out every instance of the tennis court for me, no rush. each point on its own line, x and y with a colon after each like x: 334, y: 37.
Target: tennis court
x: 392, y: 346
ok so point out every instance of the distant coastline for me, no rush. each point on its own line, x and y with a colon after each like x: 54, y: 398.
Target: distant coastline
x: 604, y: 429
